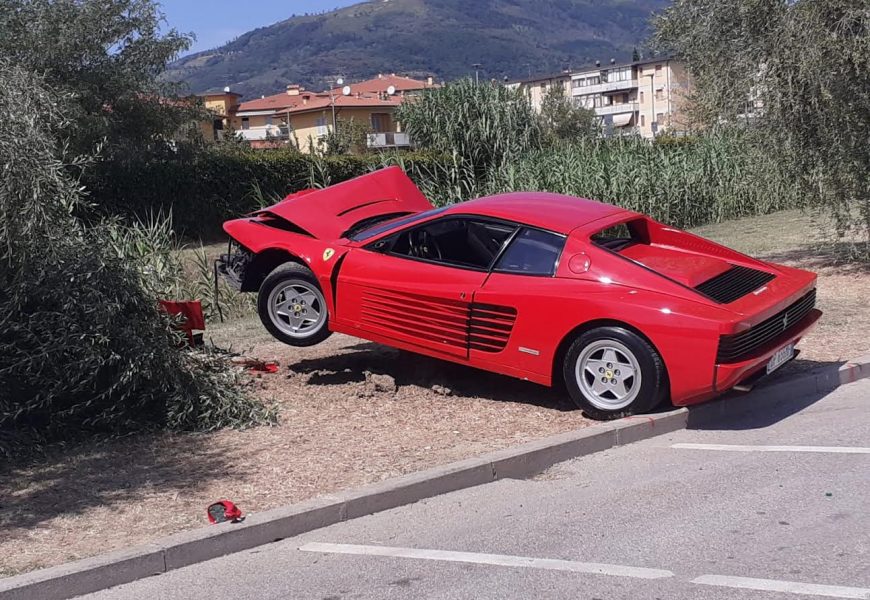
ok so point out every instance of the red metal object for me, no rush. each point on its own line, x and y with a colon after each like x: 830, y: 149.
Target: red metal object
x: 423, y: 305
x: 190, y: 313
x: 223, y: 511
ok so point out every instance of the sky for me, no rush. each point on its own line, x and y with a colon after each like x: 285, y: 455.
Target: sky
x: 217, y: 21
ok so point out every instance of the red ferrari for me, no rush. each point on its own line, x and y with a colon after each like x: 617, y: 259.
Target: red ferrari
x: 623, y: 310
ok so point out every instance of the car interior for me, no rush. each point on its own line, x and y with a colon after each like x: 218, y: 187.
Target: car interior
x: 461, y: 242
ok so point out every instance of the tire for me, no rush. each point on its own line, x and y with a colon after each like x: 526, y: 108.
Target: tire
x: 611, y: 372
x: 292, y: 307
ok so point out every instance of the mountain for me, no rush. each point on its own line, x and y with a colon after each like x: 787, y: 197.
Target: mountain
x: 444, y: 38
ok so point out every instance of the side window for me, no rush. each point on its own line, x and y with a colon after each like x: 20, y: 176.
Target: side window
x: 532, y: 252
x: 454, y: 241
x: 621, y: 236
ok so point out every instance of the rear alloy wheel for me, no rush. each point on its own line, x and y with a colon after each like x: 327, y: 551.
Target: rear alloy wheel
x: 611, y: 372
x: 292, y: 307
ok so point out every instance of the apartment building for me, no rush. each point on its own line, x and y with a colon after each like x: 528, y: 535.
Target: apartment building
x: 645, y: 97
x: 537, y: 88
x: 303, y: 118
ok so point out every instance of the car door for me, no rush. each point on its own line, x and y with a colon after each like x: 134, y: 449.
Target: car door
x: 417, y: 286
x: 523, y: 290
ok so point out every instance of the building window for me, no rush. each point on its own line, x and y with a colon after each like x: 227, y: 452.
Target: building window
x: 642, y: 120
x: 641, y: 97
x: 619, y: 75
x: 246, y: 123
x: 380, y: 122
x: 660, y: 118
x: 658, y: 70
x: 268, y: 120
x: 322, y: 129
x: 660, y: 94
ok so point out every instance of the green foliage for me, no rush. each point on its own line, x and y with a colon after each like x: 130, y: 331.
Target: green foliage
x: 106, y: 54
x: 201, y: 190
x: 561, y: 120
x: 83, y: 346
x: 707, y: 179
x: 804, y: 67
x: 349, y: 137
x: 484, y: 126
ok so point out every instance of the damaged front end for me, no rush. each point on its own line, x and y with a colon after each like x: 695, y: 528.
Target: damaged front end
x: 233, y: 264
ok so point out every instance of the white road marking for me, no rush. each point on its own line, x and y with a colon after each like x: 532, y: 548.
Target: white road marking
x: 491, y: 559
x: 790, y: 587
x: 738, y: 448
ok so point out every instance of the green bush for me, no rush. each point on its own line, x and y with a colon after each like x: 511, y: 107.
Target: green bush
x: 683, y: 181
x: 483, y: 127
x: 201, y: 190
x: 83, y: 346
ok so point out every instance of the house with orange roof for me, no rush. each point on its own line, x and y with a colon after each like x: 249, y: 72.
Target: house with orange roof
x: 303, y: 118
x: 223, y: 106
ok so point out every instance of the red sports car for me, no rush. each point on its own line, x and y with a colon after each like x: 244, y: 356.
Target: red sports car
x: 623, y: 310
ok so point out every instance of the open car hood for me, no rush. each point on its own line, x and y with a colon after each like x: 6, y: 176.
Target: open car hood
x: 331, y: 212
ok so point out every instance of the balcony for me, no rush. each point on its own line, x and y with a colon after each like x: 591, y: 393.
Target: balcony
x: 268, y: 132
x: 388, y: 140
x: 615, y: 109
x: 605, y: 87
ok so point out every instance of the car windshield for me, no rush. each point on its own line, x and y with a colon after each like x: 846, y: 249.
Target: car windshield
x: 379, y: 228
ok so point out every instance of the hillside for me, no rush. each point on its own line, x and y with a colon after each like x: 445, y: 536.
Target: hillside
x: 422, y: 37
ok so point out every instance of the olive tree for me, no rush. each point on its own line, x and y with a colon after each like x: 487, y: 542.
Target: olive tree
x: 107, y: 55
x: 83, y: 346
x: 798, y: 71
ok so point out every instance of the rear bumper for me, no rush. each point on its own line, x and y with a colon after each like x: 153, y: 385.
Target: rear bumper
x: 726, y: 376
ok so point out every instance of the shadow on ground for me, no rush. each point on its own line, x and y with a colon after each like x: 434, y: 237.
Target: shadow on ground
x: 764, y: 405
x: 69, y: 481
x: 408, y: 369
x: 817, y: 256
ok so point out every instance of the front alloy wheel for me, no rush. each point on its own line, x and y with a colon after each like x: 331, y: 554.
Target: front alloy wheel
x: 292, y: 307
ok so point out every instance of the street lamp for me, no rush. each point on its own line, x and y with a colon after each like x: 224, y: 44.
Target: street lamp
x: 338, y: 81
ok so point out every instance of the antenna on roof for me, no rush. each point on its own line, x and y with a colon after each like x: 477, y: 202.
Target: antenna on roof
x: 339, y: 81
x: 345, y: 90
x: 227, y: 90
x: 391, y: 90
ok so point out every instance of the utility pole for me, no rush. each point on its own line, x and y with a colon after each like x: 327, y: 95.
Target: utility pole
x: 338, y: 81
x: 477, y: 73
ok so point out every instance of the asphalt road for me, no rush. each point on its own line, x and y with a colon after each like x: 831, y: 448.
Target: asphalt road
x: 773, y: 504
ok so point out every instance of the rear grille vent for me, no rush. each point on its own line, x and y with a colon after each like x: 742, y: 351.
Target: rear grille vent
x: 734, y: 283
x: 490, y: 327
x: 734, y: 348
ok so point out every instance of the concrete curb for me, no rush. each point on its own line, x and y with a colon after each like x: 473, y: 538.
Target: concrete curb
x: 824, y: 380
x: 189, y: 547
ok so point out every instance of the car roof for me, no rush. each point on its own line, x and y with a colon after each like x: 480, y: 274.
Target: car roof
x: 555, y: 212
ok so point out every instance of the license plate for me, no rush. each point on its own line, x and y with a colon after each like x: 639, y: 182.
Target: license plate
x: 782, y: 356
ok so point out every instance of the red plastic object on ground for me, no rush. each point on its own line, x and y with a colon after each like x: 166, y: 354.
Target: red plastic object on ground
x: 223, y: 511
x: 191, y: 313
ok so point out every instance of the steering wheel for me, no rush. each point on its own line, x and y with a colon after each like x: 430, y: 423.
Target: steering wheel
x: 424, y: 245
